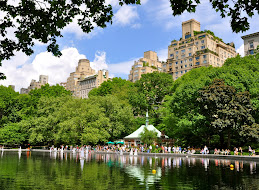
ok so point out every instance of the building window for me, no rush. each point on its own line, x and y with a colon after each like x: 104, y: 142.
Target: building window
x: 190, y: 49
x: 205, y: 61
x: 197, y: 43
x: 185, y: 66
x: 176, y: 68
x: 204, y: 56
x: 190, y: 65
x: 176, y: 52
x: 190, y: 54
x: 251, y: 52
x: 202, y: 41
x: 202, y: 47
x: 164, y: 65
x: 183, y: 56
x: 171, y: 55
x: 190, y: 59
x: 176, y: 73
x: 170, y: 69
x: 181, y: 66
x: 197, y: 58
x: 176, y: 57
x: 197, y: 63
x: 181, y: 72
x: 251, y: 44
x: 187, y: 36
x: 183, y: 50
x: 185, y: 71
x: 181, y: 62
x: 176, y: 62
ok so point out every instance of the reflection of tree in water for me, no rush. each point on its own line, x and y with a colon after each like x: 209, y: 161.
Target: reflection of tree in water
x: 101, y: 171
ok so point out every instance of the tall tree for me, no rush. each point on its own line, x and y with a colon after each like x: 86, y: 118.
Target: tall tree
x: 150, y: 92
x: 227, y: 110
x: 148, y: 137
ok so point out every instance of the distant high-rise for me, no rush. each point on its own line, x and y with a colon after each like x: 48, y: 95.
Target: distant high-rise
x: 196, y: 48
x: 43, y: 79
x: 148, y: 64
x: 251, y: 41
x: 82, y: 70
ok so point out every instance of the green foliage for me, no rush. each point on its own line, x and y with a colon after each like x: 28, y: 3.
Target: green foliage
x: 148, y: 137
x: 208, y: 32
x: 181, y: 112
x: 49, y: 91
x: 12, y: 134
x: 227, y: 110
x: 117, y: 87
x: 151, y: 90
x: 8, y: 105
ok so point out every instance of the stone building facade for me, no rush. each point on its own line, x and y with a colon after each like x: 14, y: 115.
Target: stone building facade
x: 251, y: 41
x: 195, y: 49
x: 82, y: 70
x: 90, y: 82
x: 148, y: 64
x: 43, y: 79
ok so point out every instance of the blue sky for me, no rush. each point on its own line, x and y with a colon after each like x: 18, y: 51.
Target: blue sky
x: 135, y: 29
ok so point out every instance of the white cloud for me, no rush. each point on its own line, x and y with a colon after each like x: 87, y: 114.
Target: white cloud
x: 143, y: 2
x: 126, y: 15
x: 20, y: 70
x: 99, y: 62
x: 74, y: 28
x: 121, y: 68
x: 240, y: 50
x: 162, y: 54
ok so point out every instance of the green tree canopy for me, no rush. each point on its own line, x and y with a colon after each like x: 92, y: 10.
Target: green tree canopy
x: 181, y: 114
x: 227, y: 110
x: 148, y: 137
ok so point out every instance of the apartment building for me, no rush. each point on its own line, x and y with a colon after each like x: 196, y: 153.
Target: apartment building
x: 43, y: 79
x: 148, y: 64
x: 82, y: 70
x: 196, y: 48
x: 251, y: 41
x: 90, y: 82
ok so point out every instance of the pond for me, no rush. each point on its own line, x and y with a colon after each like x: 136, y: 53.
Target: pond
x: 42, y: 170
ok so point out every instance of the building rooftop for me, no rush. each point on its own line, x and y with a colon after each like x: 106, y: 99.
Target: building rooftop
x: 136, y: 134
x: 250, y: 35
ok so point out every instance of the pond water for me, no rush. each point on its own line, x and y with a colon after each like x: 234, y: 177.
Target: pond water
x: 41, y: 170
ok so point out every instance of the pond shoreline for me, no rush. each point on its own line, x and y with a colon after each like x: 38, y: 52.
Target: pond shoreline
x: 212, y: 156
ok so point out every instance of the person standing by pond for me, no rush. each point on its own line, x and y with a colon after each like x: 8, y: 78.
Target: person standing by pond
x: 250, y: 151
x: 241, y: 151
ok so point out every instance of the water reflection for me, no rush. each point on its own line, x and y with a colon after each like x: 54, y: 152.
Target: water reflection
x: 162, y: 162
x: 129, y: 172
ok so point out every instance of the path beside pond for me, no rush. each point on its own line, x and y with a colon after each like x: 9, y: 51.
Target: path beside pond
x: 212, y: 156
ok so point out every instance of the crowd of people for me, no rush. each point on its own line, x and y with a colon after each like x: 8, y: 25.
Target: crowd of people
x: 153, y: 149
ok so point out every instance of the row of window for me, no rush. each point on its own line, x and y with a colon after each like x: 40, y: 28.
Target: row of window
x: 176, y: 73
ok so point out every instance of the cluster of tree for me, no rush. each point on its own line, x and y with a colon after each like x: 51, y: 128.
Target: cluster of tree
x: 209, y: 106
x: 50, y: 115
